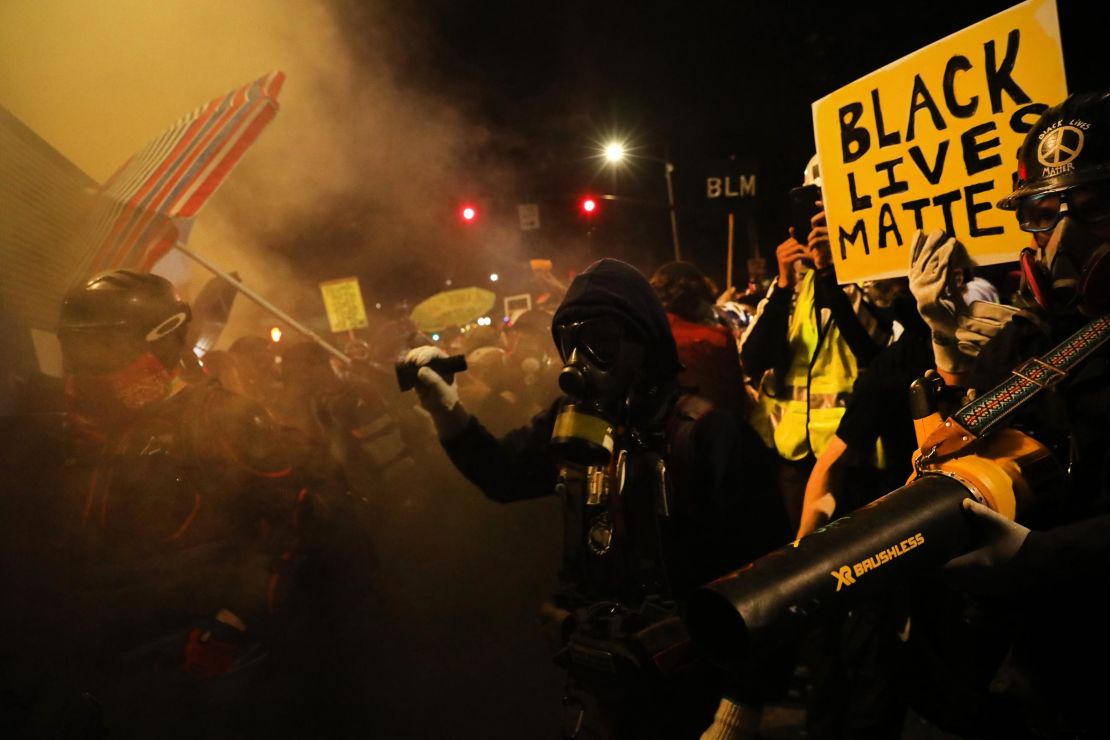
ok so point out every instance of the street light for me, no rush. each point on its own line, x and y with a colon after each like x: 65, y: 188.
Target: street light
x: 615, y: 154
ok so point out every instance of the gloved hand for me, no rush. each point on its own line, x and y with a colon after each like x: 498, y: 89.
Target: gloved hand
x: 983, y: 569
x: 733, y: 722
x: 934, y: 260
x: 438, y: 397
x: 982, y: 322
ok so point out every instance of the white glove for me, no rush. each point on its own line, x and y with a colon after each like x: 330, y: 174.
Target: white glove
x: 733, y: 722
x: 981, y: 323
x: 438, y: 397
x: 933, y: 262
x: 1000, y: 538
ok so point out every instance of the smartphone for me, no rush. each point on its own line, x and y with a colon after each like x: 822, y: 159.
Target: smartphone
x: 803, y: 207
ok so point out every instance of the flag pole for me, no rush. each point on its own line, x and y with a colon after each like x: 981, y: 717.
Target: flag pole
x: 249, y: 293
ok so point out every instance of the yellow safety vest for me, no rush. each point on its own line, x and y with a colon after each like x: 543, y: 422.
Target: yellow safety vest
x: 819, y: 379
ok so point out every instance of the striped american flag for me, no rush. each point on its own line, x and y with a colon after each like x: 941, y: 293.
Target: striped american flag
x: 137, y: 215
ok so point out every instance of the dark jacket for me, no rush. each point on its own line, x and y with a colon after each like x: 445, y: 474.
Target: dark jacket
x: 1047, y: 586
x: 724, y: 509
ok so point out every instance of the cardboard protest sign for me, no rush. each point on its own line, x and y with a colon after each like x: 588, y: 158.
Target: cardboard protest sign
x: 515, y: 305
x: 343, y: 301
x: 930, y: 142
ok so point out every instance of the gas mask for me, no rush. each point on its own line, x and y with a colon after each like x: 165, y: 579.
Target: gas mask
x: 1062, y: 196
x: 602, y: 363
x: 1071, y: 272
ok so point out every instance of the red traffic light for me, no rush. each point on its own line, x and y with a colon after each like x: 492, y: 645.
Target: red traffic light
x: 588, y: 205
x: 469, y: 213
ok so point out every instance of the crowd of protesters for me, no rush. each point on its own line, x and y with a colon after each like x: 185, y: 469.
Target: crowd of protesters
x: 196, y: 538
x: 822, y: 375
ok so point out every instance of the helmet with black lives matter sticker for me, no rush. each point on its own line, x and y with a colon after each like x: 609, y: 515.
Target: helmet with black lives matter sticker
x: 1062, y: 196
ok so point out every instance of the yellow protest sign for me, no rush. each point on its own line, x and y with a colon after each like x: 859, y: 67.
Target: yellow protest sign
x: 931, y: 142
x: 452, y: 308
x: 343, y: 301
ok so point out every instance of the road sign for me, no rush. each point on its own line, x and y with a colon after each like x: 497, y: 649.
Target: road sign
x: 529, y: 216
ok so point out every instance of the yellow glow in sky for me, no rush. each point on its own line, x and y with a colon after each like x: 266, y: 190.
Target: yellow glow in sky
x: 99, y: 79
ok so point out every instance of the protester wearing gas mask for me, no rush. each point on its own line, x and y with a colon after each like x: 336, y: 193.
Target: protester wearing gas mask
x: 661, y: 492
x: 1045, y: 568
x: 187, y: 544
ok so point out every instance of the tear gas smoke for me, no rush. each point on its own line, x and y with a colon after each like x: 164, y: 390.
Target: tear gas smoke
x: 358, y: 174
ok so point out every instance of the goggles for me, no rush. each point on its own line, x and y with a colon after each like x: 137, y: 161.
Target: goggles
x: 1089, y: 205
x: 599, y: 338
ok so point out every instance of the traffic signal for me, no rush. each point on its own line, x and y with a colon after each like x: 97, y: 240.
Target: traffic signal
x: 468, y: 213
x: 588, y: 206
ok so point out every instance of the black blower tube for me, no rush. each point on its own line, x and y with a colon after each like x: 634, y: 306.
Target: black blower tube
x: 445, y: 366
x: 916, y: 528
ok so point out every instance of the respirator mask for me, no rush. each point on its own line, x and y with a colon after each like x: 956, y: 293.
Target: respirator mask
x: 1062, y: 196
x: 1070, y: 271
x: 601, y: 360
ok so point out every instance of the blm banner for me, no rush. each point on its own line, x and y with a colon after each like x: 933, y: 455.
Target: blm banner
x: 930, y: 142
x: 729, y: 181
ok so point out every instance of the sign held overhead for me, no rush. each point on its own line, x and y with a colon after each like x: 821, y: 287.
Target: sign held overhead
x: 729, y: 180
x: 343, y: 302
x: 929, y: 142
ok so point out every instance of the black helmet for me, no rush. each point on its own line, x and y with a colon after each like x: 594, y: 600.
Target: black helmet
x: 118, y: 315
x: 1068, y: 146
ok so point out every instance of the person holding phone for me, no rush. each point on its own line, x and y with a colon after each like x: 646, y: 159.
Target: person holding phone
x: 804, y: 348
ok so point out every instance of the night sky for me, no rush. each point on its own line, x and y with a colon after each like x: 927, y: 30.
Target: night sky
x: 695, y: 81
x: 397, y: 113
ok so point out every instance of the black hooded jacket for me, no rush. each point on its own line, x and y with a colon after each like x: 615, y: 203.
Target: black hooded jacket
x: 726, y: 508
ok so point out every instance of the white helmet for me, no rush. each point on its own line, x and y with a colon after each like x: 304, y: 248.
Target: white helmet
x: 812, y: 174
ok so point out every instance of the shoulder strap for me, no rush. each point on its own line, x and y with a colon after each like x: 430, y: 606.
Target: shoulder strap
x: 1028, y: 379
